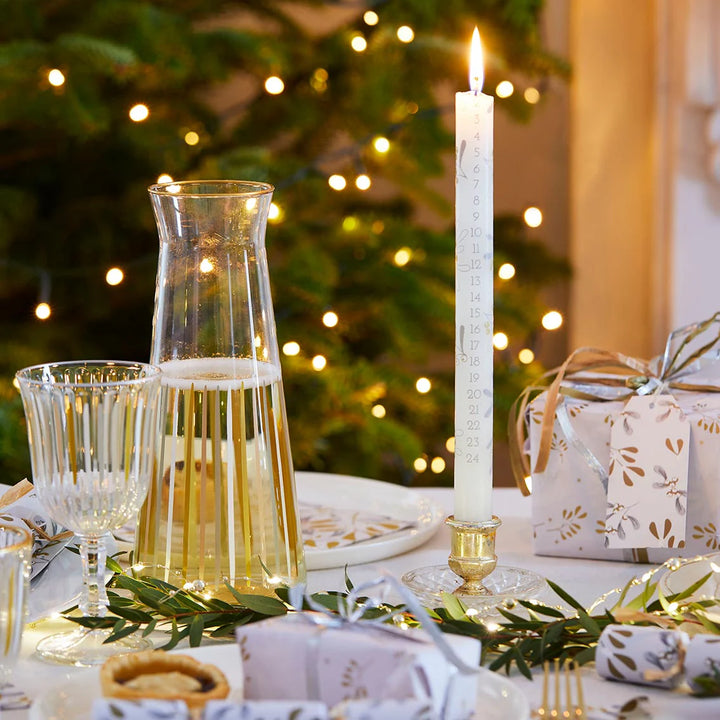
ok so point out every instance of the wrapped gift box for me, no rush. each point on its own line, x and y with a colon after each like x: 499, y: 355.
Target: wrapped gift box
x: 591, y: 447
x: 295, y: 658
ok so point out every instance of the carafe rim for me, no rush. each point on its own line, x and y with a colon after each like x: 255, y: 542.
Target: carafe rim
x: 213, y: 188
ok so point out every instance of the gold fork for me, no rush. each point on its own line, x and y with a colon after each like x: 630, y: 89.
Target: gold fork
x: 559, y: 708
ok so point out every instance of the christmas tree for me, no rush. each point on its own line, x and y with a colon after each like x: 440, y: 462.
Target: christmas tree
x: 102, y: 98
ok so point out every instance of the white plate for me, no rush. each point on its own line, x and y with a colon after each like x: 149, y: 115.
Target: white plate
x: 347, y: 492
x: 59, y: 587
x: 497, y: 699
x: 675, y: 581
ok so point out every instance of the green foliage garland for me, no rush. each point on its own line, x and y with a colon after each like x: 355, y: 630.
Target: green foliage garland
x: 529, y: 634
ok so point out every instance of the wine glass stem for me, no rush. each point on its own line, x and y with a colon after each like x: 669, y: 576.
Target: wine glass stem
x: 94, y: 600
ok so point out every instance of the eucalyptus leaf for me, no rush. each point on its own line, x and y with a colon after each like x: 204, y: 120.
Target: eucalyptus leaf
x: 196, y: 629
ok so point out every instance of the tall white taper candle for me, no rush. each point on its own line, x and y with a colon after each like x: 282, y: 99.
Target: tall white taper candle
x: 474, y: 296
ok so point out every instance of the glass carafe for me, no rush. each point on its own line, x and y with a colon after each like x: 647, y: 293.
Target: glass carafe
x: 222, y: 507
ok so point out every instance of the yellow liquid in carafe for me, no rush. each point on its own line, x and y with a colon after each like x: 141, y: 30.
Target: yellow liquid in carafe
x: 222, y: 505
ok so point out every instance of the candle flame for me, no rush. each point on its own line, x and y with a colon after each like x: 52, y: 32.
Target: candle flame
x: 477, y: 72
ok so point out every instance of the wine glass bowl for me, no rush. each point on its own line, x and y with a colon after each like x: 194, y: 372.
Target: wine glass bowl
x: 93, y: 434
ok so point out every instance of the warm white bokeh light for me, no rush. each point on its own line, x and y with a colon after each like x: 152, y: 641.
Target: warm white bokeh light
x: 533, y: 217
x: 506, y: 271
x: 358, y: 43
x: 164, y: 178
x: 423, y: 385
x: 139, y: 112
x: 405, y: 34
x: 450, y: 444
x: 371, y: 17
x: 42, y: 311
x: 437, y: 465
x: 378, y: 411
x: 402, y: 256
x: 319, y: 362
x: 56, y: 77
x: 532, y: 95
x: 206, y: 265
x: 330, y: 319
x: 337, y: 182
x: 291, y: 348
x: 192, y: 138
x: 526, y: 356
x: 500, y: 340
x: 381, y: 144
x: 420, y: 464
x: 504, y: 89
x: 552, y: 320
x: 274, y: 85
x: 274, y: 213
x: 114, y: 276
x: 363, y: 182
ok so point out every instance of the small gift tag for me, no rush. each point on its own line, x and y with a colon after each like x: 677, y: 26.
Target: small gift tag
x: 648, y: 475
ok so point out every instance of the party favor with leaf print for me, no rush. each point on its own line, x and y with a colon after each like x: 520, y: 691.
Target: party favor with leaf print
x: 642, y: 655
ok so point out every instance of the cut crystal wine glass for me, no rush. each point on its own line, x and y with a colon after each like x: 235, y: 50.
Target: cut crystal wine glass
x: 93, y: 433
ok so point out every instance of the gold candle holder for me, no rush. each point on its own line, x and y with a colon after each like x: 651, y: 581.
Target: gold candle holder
x: 472, y: 553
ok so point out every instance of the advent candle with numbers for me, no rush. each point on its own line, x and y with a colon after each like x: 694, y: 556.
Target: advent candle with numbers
x: 474, y: 296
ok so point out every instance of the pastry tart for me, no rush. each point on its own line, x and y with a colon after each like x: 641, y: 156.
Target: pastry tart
x: 162, y: 676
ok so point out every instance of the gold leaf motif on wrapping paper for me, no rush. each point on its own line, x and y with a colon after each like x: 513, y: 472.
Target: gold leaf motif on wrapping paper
x: 244, y: 653
x: 667, y: 528
x: 614, y: 671
x: 575, y: 409
x: 559, y: 444
x: 627, y: 661
x: 569, y: 524
x: 626, y: 457
x: 708, y: 422
x: 536, y: 416
x: 675, y: 449
x: 351, y: 681
x: 708, y: 534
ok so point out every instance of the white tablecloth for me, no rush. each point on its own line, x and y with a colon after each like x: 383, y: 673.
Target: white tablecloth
x: 585, y: 579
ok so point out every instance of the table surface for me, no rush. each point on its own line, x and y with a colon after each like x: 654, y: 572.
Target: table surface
x: 584, y: 579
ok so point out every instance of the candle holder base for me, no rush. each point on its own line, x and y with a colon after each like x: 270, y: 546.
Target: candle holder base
x: 504, y: 587
x: 472, y: 574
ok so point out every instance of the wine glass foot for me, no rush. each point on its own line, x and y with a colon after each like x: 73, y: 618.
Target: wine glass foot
x: 84, y: 648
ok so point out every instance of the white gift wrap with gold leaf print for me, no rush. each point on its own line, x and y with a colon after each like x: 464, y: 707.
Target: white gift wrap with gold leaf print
x: 570, y: 504
x: 146, y: 709
x: 383, y: 710
x: 292, y: 658
x: 265, y: 710
x: 643, y: 655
